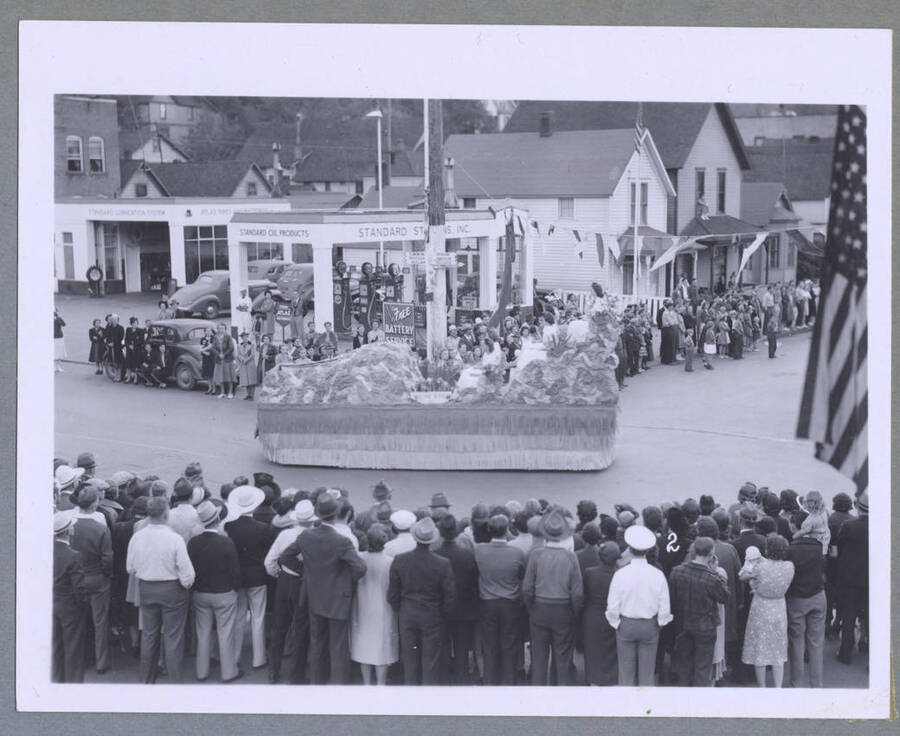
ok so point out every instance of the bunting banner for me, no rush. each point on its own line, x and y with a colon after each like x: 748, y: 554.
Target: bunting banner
x: 672, y: 251
x: 601, y: 249
x: 751, y: 249
x: 521, y: 226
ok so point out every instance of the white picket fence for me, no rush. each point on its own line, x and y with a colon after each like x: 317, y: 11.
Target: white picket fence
x: 653, y: 303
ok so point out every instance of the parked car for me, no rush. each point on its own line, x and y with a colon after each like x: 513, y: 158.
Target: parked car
x: 182, y: 340
x: 266, y: 269
x: 210, y: 294
x: 296, y: 280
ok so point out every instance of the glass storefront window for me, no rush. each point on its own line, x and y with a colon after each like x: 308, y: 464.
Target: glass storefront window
x: 205, y: 249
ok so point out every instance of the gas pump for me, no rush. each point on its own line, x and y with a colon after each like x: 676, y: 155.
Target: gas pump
x: 393, y: 284
x: 341, y: 297
x: 369, y: 297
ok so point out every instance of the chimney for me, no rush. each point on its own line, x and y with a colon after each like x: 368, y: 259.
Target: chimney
x: 546, y: 131
x: 449, y: 184
x: 298, y: 148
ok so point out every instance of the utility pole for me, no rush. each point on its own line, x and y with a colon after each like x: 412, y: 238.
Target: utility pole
x: 390, y: 143
x: 436, y: 243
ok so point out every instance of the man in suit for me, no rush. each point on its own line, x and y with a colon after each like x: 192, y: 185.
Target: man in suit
x: 747, y: 537
x: 852, y: 578
x: 69, y: 604
x: 421, y: 590
x: 115, y: 342
x: 218, y: 576
x: 331, y: 567
x: 459, y: 638
x: 91, y: 538
x: 252, y: 539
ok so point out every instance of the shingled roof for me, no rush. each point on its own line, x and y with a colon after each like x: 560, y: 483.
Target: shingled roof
x: 674, y: 125
x: 586, y: 163
x: 803, y: 166
x: 766, y: 202
x: 199, y: 179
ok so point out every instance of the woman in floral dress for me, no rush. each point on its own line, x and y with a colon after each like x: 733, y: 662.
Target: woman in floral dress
x: 766, y: 639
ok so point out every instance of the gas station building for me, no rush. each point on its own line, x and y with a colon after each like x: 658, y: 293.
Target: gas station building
x: 357, y: 237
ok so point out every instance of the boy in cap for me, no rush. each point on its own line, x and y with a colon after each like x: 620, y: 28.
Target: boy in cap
x: 637, y: 608
x: 421, y: 590
x: 401, y: 522
x: 69, y: 604
x: 86, y: 460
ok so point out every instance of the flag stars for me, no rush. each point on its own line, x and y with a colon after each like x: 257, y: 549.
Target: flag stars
x: 861, y: 150
x: 858, y: 197
x: 851, y: 138
x: 856, y: 121
x: 854, y: 167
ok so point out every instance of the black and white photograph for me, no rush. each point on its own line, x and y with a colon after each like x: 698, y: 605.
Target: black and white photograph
x: 503, y: 385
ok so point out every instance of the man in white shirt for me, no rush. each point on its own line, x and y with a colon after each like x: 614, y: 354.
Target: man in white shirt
x: 637, y: 608
x: 402, y: 522
x: 241, y: 316
x: 158, y: 557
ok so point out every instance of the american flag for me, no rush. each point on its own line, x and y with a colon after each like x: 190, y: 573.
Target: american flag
x: 834, y: 408
x: 639, y: 129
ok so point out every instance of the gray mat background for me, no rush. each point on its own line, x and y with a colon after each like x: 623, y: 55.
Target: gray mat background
x: 721, y: 13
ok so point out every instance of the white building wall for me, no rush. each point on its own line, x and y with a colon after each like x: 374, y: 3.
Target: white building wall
x: 251, y: 176
x: 140, y: 177
x: 815, y: 212
x: 712, y: 151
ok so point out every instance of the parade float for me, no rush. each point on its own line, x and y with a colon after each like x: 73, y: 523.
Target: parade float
x: 362, y: 409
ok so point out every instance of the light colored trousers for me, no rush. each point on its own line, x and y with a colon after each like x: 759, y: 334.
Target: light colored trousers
x: 806, y: 633
x: 254, y: 600
x: 219, y: 609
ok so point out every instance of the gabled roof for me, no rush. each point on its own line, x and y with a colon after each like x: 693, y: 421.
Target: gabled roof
x: 763, y: 203
x: 717, y: 225
x: 803, y: 166
x: 131, y: 140
x: 199, y: 179
x: 587, y: 163
x: 674, y: 125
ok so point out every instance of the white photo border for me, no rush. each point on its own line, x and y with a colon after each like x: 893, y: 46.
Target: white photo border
x: 824, y: 66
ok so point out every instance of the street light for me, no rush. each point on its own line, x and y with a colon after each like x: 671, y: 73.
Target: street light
x: 377, y: 115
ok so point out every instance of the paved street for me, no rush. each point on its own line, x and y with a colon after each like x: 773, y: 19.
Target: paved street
x: 682, y: 434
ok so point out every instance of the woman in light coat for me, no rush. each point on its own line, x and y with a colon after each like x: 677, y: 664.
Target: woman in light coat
x: 246, y: 364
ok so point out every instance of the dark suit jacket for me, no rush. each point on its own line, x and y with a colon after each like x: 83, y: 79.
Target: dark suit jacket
x: 750, y: 539
x: 252, y: 540
x: 215, y: 561
x: 465, y: 579
x: 587, y: 557
x: 421, y: 581
x: 69, y: 592
x: 853, y: 553
x: 93, y: 541
x: 731, y: 563
x: 331, y: 567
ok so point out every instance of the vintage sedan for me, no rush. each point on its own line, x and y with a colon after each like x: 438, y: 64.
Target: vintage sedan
x: 182, y: 340
x: 266, y: 269
x: 210, y: 294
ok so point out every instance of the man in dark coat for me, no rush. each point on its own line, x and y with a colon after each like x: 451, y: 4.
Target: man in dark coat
x: 421, y: 590
x: 115, y: 343
x: 601, y: 664
x: 459, y: 634
x: 841, y: 505
x: 69, y: 604
x: 331, y: 567
x: 729, y: 561
x: 588, y: 555
x: 853, y: 577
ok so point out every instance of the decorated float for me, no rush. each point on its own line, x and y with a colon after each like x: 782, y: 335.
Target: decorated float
x: 558, y: 410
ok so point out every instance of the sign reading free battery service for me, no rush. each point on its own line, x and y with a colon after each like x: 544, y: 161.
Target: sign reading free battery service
x: 399, y: 322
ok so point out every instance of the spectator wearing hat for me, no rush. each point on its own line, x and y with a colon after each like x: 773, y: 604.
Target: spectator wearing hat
x: 697, y: 588
x: 772, y: 509
x: 841, y: 505
x: 806, y: 608
x: 401, y: 523
x: 553, y: 593
x: 381, y: 493
x: 588, y: 556
x: 218, y: 576
x: 252, y: 539
x: 586, y: 511
x: 501, y: 568
x: 183, y: 516
x: 331, y: 567
x: 852, y: 579
x: 748, y: 537
x: 68, y: 479
x: 439, y: 500
x: 728, y: 560
x: 87, y: 462
x: 290, y: 610
x: 70, y: 604
x: 91, y: 538
x: 459, y: 639
x: 600, y: 660
x: 747, y: 494
x: 421, y: 591
x: 266, y: 483
x: 157, y: 557
x: 123, y: 614
x: 637, y: 607
x: 374, y: 634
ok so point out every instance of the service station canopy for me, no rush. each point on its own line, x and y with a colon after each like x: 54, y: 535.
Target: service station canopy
x: 324, y: 230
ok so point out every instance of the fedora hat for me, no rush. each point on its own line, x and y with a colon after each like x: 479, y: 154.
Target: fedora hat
x: 304, y: 512
x: 327, y: 506
x: 381, y: 491
x: 639, y: 538
x: 62, y: 520
x: 439, y: 500
x: 424, y: 531
x: 208, y: 513
x: 66, y: 475
x: 267, y: 483
x: 554, y: 526
x: 122, y: 477
x: 193, y: 470
x: 243, y: 500
x: 86, y: 460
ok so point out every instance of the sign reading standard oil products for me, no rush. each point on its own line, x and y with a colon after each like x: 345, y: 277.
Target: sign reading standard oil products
x: 399, y: 322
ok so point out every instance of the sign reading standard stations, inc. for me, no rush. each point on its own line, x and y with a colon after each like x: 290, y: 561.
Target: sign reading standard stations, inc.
x: 399, y: 323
